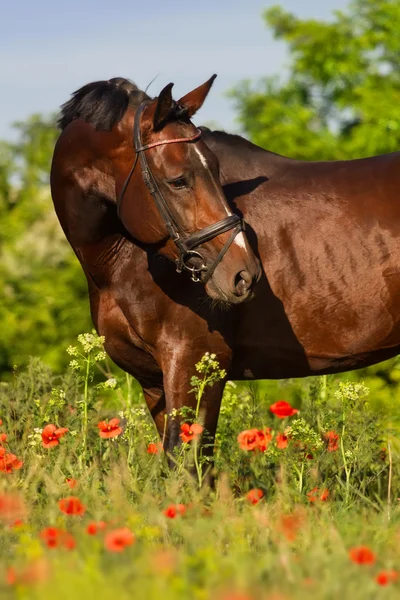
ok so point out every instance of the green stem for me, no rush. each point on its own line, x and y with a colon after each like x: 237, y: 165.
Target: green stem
x: 199, y: 397
x: 85, y: 406
x: 196, y: 462
x: 129, y: 388
x: 301, y: 478
x: 346, y: 468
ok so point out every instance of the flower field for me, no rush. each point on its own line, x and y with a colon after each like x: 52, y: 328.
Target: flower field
x: 305, y: 502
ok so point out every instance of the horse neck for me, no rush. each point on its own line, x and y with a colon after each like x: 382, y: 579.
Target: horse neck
x: 241, y: 160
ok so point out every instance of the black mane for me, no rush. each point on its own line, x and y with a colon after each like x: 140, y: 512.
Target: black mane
x: 101, y: 103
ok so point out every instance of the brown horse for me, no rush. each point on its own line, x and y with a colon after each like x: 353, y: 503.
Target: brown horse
x: 327, y: 235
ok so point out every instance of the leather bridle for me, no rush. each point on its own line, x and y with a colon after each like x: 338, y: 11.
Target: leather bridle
x: 185, y: 245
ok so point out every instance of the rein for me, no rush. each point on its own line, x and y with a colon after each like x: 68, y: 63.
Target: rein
x: 185, y: 245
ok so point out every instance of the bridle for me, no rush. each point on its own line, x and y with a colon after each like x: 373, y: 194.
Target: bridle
x: 185, y: 245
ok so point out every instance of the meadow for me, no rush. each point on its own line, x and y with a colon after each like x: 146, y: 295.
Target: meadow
x: 305, y: 502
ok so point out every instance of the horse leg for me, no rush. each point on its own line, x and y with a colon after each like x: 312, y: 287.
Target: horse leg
x: 177, y: 395
x: 155, y: 400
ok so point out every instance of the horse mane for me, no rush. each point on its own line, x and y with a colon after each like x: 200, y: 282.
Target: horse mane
x: 101, y: 103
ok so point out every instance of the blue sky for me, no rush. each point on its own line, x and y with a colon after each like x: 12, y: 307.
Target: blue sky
x: 48, y: 49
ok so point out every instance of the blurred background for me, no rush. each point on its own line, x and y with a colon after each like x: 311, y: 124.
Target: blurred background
x: 311, y: 79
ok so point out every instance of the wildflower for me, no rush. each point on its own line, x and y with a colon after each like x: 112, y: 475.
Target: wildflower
x: 264, y: 437
x: 71, y: 482
x: 109, y: 429
x: 153, y: 448
x: 35, y: 572
x: 386, y: 577
x: 255, y: 439
x: 324, y: 495
x: 12, y: 507
x: 118, y: 539
x: 312, y: 496
x: 9, y: 462
x: 290, y: 524
x: 174, y: 510
x: 281, y: 441
x: 3, y: 438
x: 111, y: 383
x: 254, y: 496
x: 283, y: 409
x: 333, y: 440
x: 17, y: 523
x: 51, y: 435
x: 71, y: 506
x: 11, y: 576
x: 383, y: 454
x: 94, y: 527
x: 57, y: 538
x: 315, y: 495
x: 190, y: 432
x: 362, y: 555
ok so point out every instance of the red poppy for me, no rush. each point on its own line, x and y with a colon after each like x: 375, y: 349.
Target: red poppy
x: 333, y: 440
x: 94, y: 527
x: 51, y: 435
x: 71, y: 506
x: 254, y: 496
x: 9, y: 462
x: 362, y: 555
x: 315, y: 495
x: 255, y: 439
x: 153, y: 448
x: 118, y: 539
x: 264, y: 438
x: 12, y: 507
x: 290, y: 524
x: 312, y: 496
x: 283, y: 409
x: 386, y: 577
x: 3, y: 438
x: 281, y: 441
x: 35, y: 572
x: 11, y: 576
x: 57, y: 538
x: 324, y: 495
x: 109, y: 429
x: 71, y: 482
x: 248, y: 439
x: 174, y: 510
x: 17, y: 523
x: 190, y: 432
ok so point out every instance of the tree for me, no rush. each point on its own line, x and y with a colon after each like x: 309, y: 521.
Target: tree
x: 43, y: 293
x: 342, y: 96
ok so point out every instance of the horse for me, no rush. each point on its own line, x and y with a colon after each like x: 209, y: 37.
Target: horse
x: 325, y: 233
x: 125, y: 217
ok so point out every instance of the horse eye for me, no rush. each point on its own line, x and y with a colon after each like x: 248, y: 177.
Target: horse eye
x: 179, y: 183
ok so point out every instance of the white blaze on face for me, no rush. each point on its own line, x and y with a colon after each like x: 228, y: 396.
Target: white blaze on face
x: 239, y: 239
x: 202, y: 158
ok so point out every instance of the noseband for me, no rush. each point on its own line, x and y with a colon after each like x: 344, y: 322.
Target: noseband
x: 185, y: 245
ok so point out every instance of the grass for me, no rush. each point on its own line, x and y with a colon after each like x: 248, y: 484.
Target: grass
x: 290, y: 544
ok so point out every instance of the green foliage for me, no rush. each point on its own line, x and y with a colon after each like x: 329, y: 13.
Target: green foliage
x: 43, y: 293
x: 341, y: 98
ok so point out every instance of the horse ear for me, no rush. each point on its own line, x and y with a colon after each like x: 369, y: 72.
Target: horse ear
x: 164, y: 108
x: 194, y: 99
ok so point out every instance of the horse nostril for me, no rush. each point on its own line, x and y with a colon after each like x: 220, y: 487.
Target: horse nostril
x: 243, y: 283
